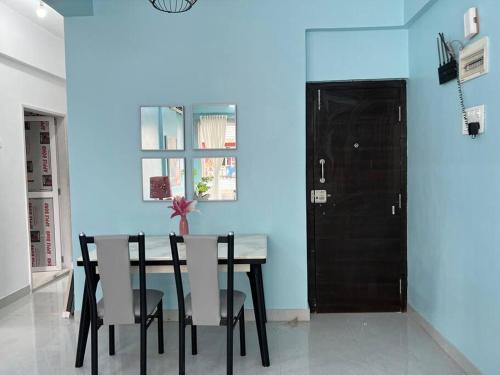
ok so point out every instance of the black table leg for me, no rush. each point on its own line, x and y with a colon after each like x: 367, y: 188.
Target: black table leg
x: 254, y: 297
x: 255, y: 276
x: 253, y: 289
x: 83, y: 331
x: 260, y: 298
x: 264, y: 310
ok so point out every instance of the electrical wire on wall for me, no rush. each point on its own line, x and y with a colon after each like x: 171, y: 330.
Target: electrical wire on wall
x: 461, y: 99
x: 449, y: 70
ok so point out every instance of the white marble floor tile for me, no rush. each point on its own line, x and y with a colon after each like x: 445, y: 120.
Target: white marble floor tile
x: 35, y: 340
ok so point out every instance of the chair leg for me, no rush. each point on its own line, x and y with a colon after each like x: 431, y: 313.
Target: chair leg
x: 111, y: 340
x: 230, y: 331
x: 182, y: 347
x: 94, y: 348
x: 243, y: 348
x: 143, y: 348
x: 161, y: 349
x: 194, y: 340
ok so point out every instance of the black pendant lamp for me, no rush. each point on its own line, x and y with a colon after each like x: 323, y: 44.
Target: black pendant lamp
x: 173, y: 6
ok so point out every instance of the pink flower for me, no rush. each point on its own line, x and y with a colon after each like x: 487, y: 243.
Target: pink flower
x: 181, y: 206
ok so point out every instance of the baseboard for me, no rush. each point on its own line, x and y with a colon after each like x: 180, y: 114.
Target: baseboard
x: 7, y: 300
x: 285, y: 315
x: 278, y: 315
x: 447, y: 346
x: 56, y: 276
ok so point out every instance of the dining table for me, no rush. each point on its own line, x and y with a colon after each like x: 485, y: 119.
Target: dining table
x: 250, y: 253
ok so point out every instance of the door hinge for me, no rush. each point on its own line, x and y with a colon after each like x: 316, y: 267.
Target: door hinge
x: 400, y: 201
x: 400, y: 114
x: 58, y: 191
x: 319, y: 100
x: 400, y: 286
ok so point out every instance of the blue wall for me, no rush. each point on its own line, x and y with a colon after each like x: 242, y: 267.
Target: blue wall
x: 454, y: 215
x: 356, y: 54
x: 413, y: 8
x: 251, y: 53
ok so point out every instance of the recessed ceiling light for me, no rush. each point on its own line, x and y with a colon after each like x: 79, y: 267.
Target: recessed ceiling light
x: 41, y: 10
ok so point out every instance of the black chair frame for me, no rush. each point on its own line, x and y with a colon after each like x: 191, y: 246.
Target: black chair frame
x: 144, y: 320
x: 185, y: 321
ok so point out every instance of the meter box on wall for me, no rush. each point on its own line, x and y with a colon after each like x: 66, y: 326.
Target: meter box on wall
x: 474, y: 60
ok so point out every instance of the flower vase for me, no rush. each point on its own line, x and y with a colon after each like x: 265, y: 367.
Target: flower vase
x: 183, y: 226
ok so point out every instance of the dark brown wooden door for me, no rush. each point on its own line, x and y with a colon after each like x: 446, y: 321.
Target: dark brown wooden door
x: 357, y: 160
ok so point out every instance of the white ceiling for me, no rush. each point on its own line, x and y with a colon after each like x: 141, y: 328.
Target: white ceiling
x: 53, y: 22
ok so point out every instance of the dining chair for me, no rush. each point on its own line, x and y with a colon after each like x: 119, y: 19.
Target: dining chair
x: 120, y: 303
x: 206, y: 304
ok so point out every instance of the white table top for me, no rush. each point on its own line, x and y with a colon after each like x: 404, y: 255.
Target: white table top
x: 246, y: 247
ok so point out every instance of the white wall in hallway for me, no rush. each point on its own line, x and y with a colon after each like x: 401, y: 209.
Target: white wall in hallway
x: 25, y: 41
x: 32, y: 73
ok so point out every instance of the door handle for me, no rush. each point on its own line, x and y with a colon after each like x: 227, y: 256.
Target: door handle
x: 322, y: 179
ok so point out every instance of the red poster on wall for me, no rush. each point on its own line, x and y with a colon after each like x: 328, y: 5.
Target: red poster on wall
x: 39, y: 169
x: 41, y: 219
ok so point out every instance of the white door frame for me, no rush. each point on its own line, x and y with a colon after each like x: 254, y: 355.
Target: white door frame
x: 54, y: 194
x: 64, y: 184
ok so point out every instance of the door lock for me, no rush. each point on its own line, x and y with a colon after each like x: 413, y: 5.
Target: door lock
x: 319, y: 196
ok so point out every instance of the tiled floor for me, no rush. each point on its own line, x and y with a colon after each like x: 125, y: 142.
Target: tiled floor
x: 40, y: 279
x: 34, y: 339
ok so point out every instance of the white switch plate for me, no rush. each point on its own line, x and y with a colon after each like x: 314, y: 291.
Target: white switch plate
x: 475, y: 114
x: 471, y: 23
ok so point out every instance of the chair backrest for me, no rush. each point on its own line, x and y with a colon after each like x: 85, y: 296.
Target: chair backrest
x: 202, y: 265
x: 113, y: 261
